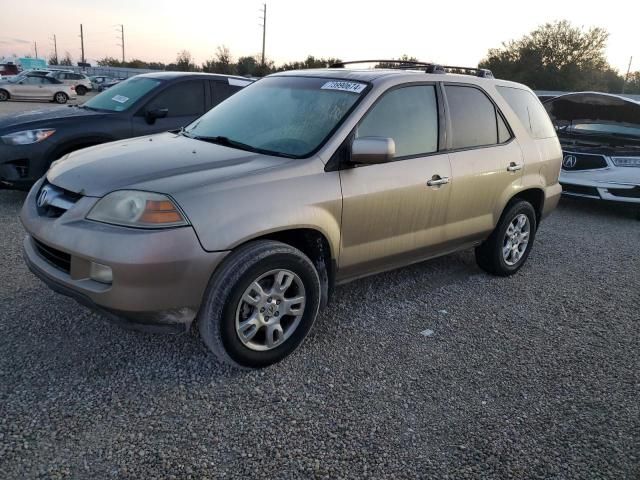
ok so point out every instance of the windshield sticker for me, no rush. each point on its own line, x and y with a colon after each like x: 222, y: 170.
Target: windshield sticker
x: 344, y: 86
x: 120, y: 99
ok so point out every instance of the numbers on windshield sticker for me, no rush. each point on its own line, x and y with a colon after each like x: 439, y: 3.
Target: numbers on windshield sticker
x: 353, y: 87
x: 120, y: 99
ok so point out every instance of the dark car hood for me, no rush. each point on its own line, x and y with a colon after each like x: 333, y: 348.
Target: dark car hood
x: 167, y: 163
x: 48, y: 116
x: 592, y: 107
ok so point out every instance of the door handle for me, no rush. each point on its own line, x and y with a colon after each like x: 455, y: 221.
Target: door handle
x: 514, y: 167
x: 437, y: 180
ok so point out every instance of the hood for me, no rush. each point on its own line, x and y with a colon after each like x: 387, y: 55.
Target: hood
x: 592, y: 107
x: 166, y: 163
x: 34, y: 117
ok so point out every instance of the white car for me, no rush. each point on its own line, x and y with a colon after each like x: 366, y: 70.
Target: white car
x: 80, y: 81
x: 36, y: 88
x: 600, y: 138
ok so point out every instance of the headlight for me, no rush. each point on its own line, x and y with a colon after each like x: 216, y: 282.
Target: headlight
x: 132, y: 208
x: 27, y: 137
x: 626, y: 161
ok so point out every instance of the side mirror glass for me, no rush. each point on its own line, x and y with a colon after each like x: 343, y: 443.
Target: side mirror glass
x: 372, y: 150
x: 152, y: 115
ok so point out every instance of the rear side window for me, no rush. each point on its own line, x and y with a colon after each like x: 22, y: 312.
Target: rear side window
x: 529, y: 110
x: 409, y: 116
x: 181, y: 99
x: 474, y: 119
x: 221, y: 90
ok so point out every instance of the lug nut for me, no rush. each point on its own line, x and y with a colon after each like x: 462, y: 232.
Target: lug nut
x: 262, y: 310
x: 277, y: 302
x: 269, y: 299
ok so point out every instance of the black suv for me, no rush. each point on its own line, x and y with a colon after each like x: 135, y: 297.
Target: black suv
x: 141, y: 105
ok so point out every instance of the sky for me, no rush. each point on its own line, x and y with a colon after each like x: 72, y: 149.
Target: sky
x: 451, y: 32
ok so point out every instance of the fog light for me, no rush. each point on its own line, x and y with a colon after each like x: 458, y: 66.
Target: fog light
x: 101, y: 273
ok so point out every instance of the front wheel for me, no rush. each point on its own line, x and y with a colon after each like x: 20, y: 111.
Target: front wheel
x: 60, y: 97
x: 4, y: 95
x: 260, y: 304
x: 80, y: 90
x: 508, y: 247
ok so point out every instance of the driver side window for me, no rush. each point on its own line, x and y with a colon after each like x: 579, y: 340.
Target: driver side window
x: 181, y: 99
x: 408, y: 115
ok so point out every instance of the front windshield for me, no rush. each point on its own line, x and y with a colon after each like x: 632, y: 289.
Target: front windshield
x: 121, y: 96
x: 289, y: 116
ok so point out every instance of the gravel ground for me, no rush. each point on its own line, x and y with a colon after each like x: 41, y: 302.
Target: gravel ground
x: 533, y: 376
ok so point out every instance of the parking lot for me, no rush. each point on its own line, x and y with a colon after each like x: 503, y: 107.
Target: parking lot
x: 13, y: 107
x: 532, y: 376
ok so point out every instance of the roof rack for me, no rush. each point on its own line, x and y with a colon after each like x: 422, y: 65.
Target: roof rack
x: 427, y: 67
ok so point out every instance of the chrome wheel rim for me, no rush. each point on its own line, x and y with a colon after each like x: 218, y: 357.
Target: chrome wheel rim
x: 3, y: 96
x: 516, y: 239
x: 60, y: 98
x: 270, y: 310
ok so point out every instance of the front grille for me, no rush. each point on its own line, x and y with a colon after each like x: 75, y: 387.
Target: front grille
x: 572, y: 162
x: 58, y: 259
x: 53, y: 201
x: 580, y: 190
x: 625, y: 192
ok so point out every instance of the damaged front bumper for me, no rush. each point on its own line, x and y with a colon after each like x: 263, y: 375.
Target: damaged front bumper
x: 613, y: 185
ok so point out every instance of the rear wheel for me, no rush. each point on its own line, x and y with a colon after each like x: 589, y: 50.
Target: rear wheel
x: 81, y: 90
x: 508, y: 247
x: 260, y: 304
x: 60, y: 97
x: 4, y: 95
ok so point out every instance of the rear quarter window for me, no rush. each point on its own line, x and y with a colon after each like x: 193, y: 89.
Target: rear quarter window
x: 474, y: 119
x: 529, y: 110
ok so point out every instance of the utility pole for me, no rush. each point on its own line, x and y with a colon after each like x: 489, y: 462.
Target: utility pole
x: 121, y: 44
x: 35, y: 46
x: 82, y: 42
x: 626, y: 77
x: 264, y: 28
x: 55, y: 47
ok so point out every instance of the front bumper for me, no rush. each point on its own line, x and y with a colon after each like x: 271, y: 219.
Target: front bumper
x: 621, y: 184
x: 21, y: 165
x: 159, y: 276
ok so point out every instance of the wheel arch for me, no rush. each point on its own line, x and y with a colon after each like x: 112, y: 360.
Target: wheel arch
x: 534, y: 195
x: 315, y: 245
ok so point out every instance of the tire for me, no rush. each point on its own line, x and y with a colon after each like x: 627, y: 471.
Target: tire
x: 491, y: 256
x: 4, y: 95
x: 225, y: 312
x: 60, y: 98
x: 81, y: 90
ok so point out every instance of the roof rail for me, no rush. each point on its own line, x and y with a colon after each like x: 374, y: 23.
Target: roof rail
x: 427, y: 67
x: 478, y: 72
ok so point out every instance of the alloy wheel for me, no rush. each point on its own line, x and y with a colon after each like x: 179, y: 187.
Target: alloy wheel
x: 516, y: 239
x: 270, y: 310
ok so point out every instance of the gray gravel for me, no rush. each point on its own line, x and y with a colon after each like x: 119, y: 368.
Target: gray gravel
x: 534, y: 376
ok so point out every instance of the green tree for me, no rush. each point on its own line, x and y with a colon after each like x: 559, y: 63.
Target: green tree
x: 221, y: 62
x: 403, y: 58
x: 66, y: 60
x: 555, y: 56
x: 184, y: 62
x: 109, y: 62
x: 247, y: 66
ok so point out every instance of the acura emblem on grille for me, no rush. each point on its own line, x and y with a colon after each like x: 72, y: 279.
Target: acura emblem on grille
x: 569, y: 161
x: 43, y: 198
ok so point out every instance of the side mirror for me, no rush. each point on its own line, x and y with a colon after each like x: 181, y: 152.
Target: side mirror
x: 152, y: 115
x: 372, y: 150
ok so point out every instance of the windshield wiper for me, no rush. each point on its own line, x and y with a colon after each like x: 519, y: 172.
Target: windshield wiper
x: 227, y: 142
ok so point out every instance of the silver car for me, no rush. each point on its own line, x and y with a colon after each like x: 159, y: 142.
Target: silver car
x: 36, y: 88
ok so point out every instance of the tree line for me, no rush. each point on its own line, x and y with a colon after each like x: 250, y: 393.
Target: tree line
x: 555, y: 56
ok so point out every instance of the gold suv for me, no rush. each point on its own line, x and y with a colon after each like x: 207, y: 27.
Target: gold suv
x: 246, y: 219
